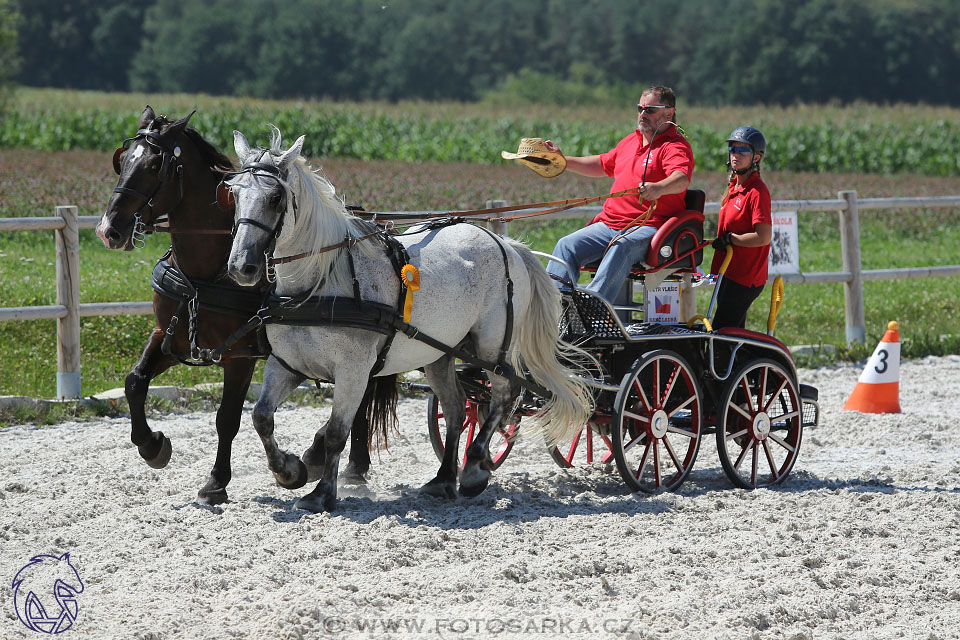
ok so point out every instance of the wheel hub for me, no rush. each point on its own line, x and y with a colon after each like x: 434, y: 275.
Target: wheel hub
x: 659, y: 422
x: 761, y: 426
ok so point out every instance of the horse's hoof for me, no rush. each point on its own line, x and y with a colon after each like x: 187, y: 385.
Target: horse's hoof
x: 314, y: 472
x: 317, y: 501
x: 298, y: 481
x: 439, y: 489
x: 212, y: 493
x: 354, y: 475
x: 157, y: 452
x: 471, y: 491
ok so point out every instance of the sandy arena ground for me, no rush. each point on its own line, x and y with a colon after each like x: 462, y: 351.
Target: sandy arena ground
x: 861, y: 541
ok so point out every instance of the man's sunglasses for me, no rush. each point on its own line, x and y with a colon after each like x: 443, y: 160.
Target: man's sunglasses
x: 652, y: 109
x: 740, y: 151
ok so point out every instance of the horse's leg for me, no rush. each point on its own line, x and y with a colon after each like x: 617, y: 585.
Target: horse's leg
x: 237, y: 373
x: 476, y: 472
x: 359, y: 463
x: 278, y: 382
x: 443, y: 382
x: 347, y: 397
x: 154, y: 447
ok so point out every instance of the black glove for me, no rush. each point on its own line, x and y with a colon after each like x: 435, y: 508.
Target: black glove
x: 723, y: 241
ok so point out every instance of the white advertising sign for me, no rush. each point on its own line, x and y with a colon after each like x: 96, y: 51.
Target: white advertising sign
x: 784, y: 245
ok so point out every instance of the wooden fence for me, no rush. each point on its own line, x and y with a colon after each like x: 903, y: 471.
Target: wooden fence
x: 69, y: 309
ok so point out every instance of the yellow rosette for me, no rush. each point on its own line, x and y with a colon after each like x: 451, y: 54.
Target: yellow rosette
x: 411, y: 278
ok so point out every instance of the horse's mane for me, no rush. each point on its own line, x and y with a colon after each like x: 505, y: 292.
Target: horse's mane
x: 213, y: 157
x: 321, y: 220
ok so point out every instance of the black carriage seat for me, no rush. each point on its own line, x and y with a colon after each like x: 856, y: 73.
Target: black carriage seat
x: 679, y: 235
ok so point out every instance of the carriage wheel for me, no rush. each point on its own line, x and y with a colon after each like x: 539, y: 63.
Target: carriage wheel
x: 656, y: 424
x: 500, y: 443
x: 590, y: 444
x: 759, y: 425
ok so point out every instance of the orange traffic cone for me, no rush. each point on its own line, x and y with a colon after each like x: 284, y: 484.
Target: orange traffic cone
x: 878, y: 389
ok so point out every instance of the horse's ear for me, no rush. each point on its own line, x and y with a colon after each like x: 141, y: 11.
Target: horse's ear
x: 241, y: 146
x: 146, y: 117
x: 290, y: 154
x: 181, y: 124
x: 225, y: 197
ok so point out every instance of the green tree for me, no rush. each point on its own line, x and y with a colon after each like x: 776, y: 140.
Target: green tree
x: 9, y: 60
x: 81, y: 44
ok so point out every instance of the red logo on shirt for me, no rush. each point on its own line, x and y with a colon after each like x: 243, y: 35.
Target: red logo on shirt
x: 738, y: 205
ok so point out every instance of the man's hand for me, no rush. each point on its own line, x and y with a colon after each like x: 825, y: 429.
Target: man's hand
x: 552, y: 146
x: 722, y: 241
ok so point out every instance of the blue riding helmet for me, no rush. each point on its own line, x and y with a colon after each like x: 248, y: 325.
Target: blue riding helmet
x: 750, y: 136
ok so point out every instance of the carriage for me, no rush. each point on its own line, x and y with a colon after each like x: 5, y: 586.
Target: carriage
x: 661, y: 388
x: 655, y: 389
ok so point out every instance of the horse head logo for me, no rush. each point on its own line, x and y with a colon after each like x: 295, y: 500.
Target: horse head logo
x: 45, y: 593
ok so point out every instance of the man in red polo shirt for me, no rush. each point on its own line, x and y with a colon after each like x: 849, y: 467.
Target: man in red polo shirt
x: 658, y: 159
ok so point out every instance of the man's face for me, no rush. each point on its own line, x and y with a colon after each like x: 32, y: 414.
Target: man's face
x: 648, y: 122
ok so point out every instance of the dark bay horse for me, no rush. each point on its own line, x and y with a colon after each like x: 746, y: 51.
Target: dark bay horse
x: 169, y: 174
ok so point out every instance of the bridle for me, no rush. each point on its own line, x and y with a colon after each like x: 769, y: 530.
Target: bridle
x: 170, y: 167
x: 259, y: 168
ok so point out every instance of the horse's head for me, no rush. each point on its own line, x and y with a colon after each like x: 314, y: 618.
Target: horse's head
x: 151, y: 180
x: 263, y: 191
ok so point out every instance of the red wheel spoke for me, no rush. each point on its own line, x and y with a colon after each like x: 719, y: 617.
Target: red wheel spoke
x: 682, y: 432
x: 776, y: 394
x: 673, y: 455
x: 739, y: 409
x: 643, y: 396
x: 748, y: 394
x: 671, y: 382
x: 643, y: 460
x: 637, y: 417
x: 682, y: 405
x: 773, y: 465
x: 743, y: 454
x: 635, y: 441
x: 784, y: 417
x: 655, y: 391
x: 656, y: 464
x: 783, y: 443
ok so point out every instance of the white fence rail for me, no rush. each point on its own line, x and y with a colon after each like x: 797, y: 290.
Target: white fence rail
x: 69, y: 309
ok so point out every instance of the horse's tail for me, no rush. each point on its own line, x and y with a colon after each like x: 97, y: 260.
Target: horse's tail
x: 381, y: 401
x: 539, y: 350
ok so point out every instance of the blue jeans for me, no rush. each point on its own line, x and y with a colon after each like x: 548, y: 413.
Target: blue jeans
x: 588, y: 245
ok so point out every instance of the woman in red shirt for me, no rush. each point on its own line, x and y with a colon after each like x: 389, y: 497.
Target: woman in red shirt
x: 746, y: 224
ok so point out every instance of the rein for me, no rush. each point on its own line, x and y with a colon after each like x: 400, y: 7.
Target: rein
x: 552, y: 207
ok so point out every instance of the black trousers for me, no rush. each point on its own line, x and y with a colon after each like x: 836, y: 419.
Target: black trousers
x: 733, y: 301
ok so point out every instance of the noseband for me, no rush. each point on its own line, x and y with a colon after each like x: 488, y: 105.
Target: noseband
x: 170, y: 166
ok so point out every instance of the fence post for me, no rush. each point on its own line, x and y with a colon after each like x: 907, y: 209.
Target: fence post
x: 68, y: 295
x: 850, y: 251
x: 499, y: 227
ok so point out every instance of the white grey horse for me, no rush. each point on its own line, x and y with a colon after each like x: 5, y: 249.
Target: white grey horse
x: 285, y: 208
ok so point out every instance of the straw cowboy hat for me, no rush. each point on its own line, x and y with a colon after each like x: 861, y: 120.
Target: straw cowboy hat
x: 533, y: 153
